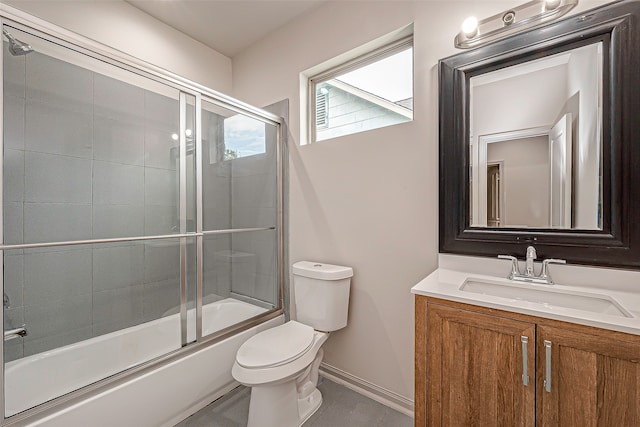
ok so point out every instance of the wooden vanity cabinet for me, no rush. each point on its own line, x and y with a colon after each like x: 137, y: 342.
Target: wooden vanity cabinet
x: 595, y: 378
x: 470, y: 363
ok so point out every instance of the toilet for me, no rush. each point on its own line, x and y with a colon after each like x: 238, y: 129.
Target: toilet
x: 281, y: 364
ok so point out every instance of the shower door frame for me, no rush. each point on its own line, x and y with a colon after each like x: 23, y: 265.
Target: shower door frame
x: 24, y: 22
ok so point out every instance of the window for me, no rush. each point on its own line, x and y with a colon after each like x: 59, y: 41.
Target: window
x: 369, y: 92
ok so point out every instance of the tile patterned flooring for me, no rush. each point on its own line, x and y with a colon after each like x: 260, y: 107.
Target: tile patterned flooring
x: 340, y: 407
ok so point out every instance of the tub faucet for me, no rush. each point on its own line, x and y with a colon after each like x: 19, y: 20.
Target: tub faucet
x: 529, y: 274
x: 10, y: 334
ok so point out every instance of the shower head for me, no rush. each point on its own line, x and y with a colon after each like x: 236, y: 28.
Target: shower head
x: 16, y: 47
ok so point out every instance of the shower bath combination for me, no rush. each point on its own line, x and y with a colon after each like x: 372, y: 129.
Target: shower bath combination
x: 17, y: 47
x: 121, y: 184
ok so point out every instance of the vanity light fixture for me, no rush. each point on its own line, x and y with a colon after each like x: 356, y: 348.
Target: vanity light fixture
x: 476, y: 33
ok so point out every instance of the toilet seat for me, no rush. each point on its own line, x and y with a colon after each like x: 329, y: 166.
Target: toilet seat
x: 276, y: 346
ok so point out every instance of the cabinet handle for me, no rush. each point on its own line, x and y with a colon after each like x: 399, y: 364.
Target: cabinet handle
x: 525, y: 367
x: 547, y: 380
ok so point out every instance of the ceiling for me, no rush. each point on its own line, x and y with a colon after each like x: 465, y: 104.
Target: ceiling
x: 227, y: 26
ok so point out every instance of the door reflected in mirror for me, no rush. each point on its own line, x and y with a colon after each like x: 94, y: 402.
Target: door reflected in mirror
x: 536, y: 143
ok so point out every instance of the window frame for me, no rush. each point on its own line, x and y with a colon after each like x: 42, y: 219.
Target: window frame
x: 358, y: 62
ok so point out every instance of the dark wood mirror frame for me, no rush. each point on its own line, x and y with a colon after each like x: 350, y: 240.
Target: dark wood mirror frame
x: 617, y: 25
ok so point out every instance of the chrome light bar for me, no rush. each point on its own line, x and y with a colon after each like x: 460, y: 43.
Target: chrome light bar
x: 476, y: 33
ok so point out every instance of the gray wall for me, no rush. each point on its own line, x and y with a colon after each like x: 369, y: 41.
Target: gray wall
x: 348, y: 113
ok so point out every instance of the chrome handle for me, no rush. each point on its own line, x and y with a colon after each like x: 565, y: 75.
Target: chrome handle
x: 15, y: 333
x: 514, y: 265
x: 547, y: 380
x: 525, y: 367
x: 545, y: 268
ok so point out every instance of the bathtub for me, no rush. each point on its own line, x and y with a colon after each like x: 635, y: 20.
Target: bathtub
x: 204, y: 375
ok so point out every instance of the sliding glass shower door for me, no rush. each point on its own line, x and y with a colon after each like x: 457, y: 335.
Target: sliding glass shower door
x: 92, y: 198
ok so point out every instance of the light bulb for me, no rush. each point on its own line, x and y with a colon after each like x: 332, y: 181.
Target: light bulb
x: 174, y: 136
x: 470, y: 26
x: 188, y: 132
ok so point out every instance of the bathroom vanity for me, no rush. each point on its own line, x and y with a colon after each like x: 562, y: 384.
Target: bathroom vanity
x: 562, y: 355
x: 491, y: 351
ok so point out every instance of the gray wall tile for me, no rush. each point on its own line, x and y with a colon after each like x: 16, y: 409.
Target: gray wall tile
x: 254, y: 191
x: 161, y: 111
x: 160, y: 220
x: 160, y: 187
x: 55, y: 222
x: 69, y: 314
x: 117, y: 309
x: 118, y: 267
x: 160, y: 150
x: 13, y: 223
x: 52, y: 276
x: 246, y: 217
x: 161, y: 260
x: 57, y: 82
x: 13, y: 123
x: 116, y: 184
x: 111, y: 221
x: 14, y: 72
x: 13, y: 279
x: 116, y: 99
x: 13, y: 349
x: 118, y: 141
x: 161, y: 299
x: 13, y: 178
x: 57, y: 179
x: 56, y: 129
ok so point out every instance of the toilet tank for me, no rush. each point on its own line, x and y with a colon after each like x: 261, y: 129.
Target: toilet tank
x: 321, y: 294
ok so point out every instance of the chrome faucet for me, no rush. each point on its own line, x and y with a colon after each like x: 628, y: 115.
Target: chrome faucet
x: 10, y: 334
x: 531, y: 256
x: 529, y: 274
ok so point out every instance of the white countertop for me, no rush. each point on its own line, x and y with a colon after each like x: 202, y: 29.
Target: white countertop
x: 445, y: 283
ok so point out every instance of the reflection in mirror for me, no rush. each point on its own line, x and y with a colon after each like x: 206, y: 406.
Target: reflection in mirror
x: 536, y: 143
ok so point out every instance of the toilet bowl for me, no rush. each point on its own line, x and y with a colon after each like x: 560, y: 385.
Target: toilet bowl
x: 281, y: 367
x: 281, y: 364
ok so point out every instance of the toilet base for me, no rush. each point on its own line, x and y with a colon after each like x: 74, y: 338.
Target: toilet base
x: 309, y: 405
x: 278, y: 405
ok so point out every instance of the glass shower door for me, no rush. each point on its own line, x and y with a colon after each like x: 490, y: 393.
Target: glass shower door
x: 98, y: 207
x: 239, y: 217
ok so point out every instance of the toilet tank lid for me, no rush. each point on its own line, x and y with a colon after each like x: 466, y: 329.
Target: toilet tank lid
x: 318, y: 270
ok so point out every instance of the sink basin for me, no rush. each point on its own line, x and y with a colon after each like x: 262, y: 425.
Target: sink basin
x: 550, y: 298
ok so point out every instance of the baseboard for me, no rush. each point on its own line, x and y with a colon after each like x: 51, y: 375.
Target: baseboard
x: 379, y: 394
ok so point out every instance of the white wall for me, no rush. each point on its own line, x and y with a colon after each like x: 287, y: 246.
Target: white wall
x: 525, y: 101
x: 368, y: 200
x: 123, y: 27
x: 525, y: 180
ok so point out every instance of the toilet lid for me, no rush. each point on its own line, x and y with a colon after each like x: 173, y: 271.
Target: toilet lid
x: 276, y: 346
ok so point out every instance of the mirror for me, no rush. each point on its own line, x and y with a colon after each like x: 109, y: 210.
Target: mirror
x: 535, y: 143
x: 539, y: 141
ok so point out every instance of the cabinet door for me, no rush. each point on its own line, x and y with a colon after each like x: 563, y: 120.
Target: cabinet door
x: 475, y: 369
x: 595, y: 379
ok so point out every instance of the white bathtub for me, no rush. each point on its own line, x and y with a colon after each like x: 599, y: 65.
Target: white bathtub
x: 41, y: 377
